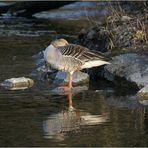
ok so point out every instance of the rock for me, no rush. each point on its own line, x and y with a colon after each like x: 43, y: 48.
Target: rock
x: 4, y: 6
x: 132, y: 67
x: 78, y: 78
x: 144, y: 102
x: 43, y: 70
x: 95, y: 38
x: 125, y: 18
x: 75, y: 90
x: 29, y: 33
x: 91, y: 34
x: 143, y: 93
x: 17, y: 83
x: 38, y: 56
x: 26, y: 9
x: 144, y: 90
x: 75, y: 11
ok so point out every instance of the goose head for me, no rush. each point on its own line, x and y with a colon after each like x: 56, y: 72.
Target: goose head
x: 59, y: 43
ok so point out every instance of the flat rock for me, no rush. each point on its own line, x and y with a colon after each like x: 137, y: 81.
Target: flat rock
x: 78, y: 78
x: 17, y: 83
x: 75, y: 11
x: 133, y: 67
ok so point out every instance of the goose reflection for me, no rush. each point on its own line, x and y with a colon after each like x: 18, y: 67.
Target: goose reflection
x: 57, y: 125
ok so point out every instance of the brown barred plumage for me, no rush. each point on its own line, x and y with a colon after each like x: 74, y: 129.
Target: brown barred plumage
x: 81, y: 53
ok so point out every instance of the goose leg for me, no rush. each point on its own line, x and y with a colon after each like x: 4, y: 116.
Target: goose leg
x: 66, y: 88
x: 70, y: 101
x: 71, y: 108
x: 70, y: 82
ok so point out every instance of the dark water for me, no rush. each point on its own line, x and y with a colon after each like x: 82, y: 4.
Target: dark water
x: 36, y: 117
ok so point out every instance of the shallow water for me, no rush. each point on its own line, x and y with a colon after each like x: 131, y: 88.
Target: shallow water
x: 101, y: 116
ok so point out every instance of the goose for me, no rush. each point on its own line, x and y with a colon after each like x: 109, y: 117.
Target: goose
x: 72, y: 57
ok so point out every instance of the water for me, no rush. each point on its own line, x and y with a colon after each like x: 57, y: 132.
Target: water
x: 99, y: 116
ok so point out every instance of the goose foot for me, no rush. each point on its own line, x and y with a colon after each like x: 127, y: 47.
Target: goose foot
x: 64, y: 89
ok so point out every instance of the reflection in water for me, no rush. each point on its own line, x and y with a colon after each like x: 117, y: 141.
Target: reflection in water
x: 75, y: 90
x: 130, y: 102
x: 57, y: 125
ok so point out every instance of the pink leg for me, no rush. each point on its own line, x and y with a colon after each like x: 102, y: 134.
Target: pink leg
x: 66, y: 88
x: 70, y: 82
x: 70, y: 101
x: 70, y: 105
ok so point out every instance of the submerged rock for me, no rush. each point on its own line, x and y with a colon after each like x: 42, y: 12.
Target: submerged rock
x: 132, y: 67
x: 17, y: 83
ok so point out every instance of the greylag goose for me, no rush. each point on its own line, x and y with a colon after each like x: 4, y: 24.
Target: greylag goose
x: 71, y: 57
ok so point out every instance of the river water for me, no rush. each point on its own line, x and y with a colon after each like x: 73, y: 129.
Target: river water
x: 101, y: 115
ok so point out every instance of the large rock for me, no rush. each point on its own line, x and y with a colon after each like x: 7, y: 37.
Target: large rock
x: 132, y: 67
x: 78, y: 10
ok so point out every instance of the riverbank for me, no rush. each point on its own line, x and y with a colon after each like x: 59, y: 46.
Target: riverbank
x: 123, y: 37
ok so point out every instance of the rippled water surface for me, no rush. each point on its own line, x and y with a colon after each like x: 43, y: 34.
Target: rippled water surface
x: 100, y: 116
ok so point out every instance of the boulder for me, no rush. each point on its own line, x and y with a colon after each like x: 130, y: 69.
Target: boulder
x: 76, y: 11
x: 132, y: 67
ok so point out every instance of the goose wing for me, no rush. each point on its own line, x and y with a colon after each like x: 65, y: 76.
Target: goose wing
x: 81, y: 53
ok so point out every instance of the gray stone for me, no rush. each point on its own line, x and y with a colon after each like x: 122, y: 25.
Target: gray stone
x: 143, y: 93
x: 144, y: 89
x: 91, y: 34
x: 17, y: 83
x: 75, y: 89
x: 75, y: 11
x: 133, y: 67
x: 125, y: 18
x: 78, y: 78
x: 144, y: 102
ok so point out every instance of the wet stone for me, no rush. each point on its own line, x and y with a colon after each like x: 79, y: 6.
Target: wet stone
x: 78, y: 78
x: 132, y: 67
x: 17, y: 83
x: 75, y: 89
x: 143, y: 93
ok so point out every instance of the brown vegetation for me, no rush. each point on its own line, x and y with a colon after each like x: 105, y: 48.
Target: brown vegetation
x: 125, y: 27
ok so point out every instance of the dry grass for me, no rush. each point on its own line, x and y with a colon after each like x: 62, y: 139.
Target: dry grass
x: 120, y: 19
